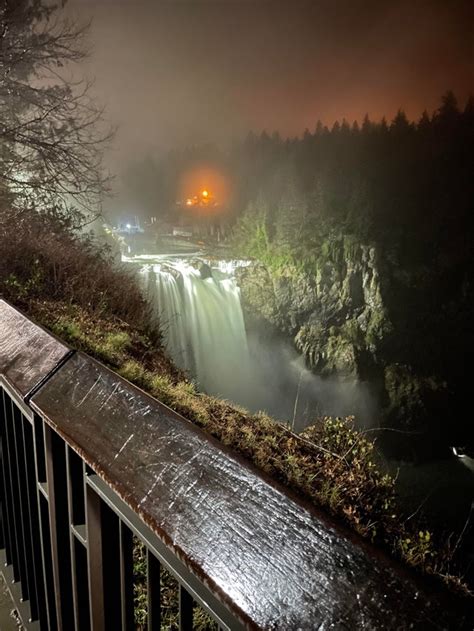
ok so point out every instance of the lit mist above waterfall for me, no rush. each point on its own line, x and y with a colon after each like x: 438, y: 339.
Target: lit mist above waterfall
x: 197, y: 303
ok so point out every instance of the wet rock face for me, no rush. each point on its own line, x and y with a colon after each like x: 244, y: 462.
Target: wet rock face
x: 284, y: 300
x: 335, y: 316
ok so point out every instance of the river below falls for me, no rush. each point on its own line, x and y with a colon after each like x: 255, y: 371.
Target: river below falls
x: 196, y: 303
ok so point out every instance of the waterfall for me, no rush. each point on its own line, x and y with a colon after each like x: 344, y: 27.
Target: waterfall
x: 202, y: 323
x: 200, y: 316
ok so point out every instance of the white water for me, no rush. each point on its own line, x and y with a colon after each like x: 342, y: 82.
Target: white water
x: 202, y: 322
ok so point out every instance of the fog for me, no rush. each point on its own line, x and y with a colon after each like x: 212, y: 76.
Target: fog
x: 289, y: 391
x: 177, y: 73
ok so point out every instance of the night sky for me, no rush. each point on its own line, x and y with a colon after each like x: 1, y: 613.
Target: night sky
x: 174, y: 73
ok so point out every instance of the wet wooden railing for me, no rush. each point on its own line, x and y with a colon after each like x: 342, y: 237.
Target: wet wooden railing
x: 90, y: 464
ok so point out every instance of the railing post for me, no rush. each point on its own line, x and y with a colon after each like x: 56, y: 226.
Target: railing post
x: 59, y: 527
x: 95, y: 560
x: 153, y: 592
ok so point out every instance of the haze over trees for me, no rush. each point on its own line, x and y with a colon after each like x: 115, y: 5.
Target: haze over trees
x: 52, y: 134
x: 374, y: 178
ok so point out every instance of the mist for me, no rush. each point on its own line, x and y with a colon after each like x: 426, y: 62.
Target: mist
x: 283, y: 386
x: 173, y: 74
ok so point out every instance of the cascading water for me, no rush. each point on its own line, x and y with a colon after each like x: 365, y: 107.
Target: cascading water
x: 203, y: 325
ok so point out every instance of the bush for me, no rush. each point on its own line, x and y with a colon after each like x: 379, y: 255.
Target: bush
x: 42, y: 258
x: 351, y: 481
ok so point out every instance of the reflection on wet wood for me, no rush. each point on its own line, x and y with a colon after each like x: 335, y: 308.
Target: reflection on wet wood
x: 27, y: 352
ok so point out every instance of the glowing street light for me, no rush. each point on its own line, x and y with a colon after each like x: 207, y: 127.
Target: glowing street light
x: 205, y: 193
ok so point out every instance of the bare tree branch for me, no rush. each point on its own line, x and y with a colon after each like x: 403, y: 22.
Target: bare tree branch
x: 52, y: 133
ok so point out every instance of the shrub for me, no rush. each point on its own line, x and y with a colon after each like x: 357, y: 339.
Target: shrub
x: 352, y: 482
x: 42, y: 258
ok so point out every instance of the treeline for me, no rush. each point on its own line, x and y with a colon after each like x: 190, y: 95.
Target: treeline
x: 406, y: 186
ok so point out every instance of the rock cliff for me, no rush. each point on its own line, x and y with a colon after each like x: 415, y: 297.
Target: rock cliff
x: 344, y: 316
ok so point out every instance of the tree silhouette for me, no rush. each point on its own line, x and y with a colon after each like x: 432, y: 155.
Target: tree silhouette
x: 51, y: 141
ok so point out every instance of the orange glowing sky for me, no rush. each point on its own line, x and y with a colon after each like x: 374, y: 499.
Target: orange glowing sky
x: 205, y: 178
x: 172, y: 73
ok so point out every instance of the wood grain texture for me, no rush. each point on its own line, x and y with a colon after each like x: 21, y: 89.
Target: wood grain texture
x: 27, y: 352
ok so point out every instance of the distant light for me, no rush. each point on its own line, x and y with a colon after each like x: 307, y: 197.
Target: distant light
x: 128, y: 226
x: 205, y: 194
x: 189, y: 202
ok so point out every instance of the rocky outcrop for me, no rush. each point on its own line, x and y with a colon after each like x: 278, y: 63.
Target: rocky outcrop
x: 347, y: 316
x: 335, y: 316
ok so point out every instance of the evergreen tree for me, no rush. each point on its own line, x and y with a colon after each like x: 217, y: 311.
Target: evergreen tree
x: 319, y: 129
x: 400, y: 124
x: 345, y: 127
x: 448, y: 111
x: 367, y: 126
x: 424, y: 123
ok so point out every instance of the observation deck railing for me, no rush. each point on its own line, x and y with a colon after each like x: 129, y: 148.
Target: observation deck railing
x: 89, y: 465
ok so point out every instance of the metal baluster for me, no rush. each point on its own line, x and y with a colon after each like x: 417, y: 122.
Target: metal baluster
x: 59, y: 524
x: 44, y: 527
x: 7, y: 503
x: 76, y: 512
x: 126, y: 577
x: 154, y: 592
x: 15, y: 495
x: 94, y: 559
x: 186, y: 605
x: 34, y: 528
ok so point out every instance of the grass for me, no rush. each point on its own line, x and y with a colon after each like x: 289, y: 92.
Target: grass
x: 169, y: 597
